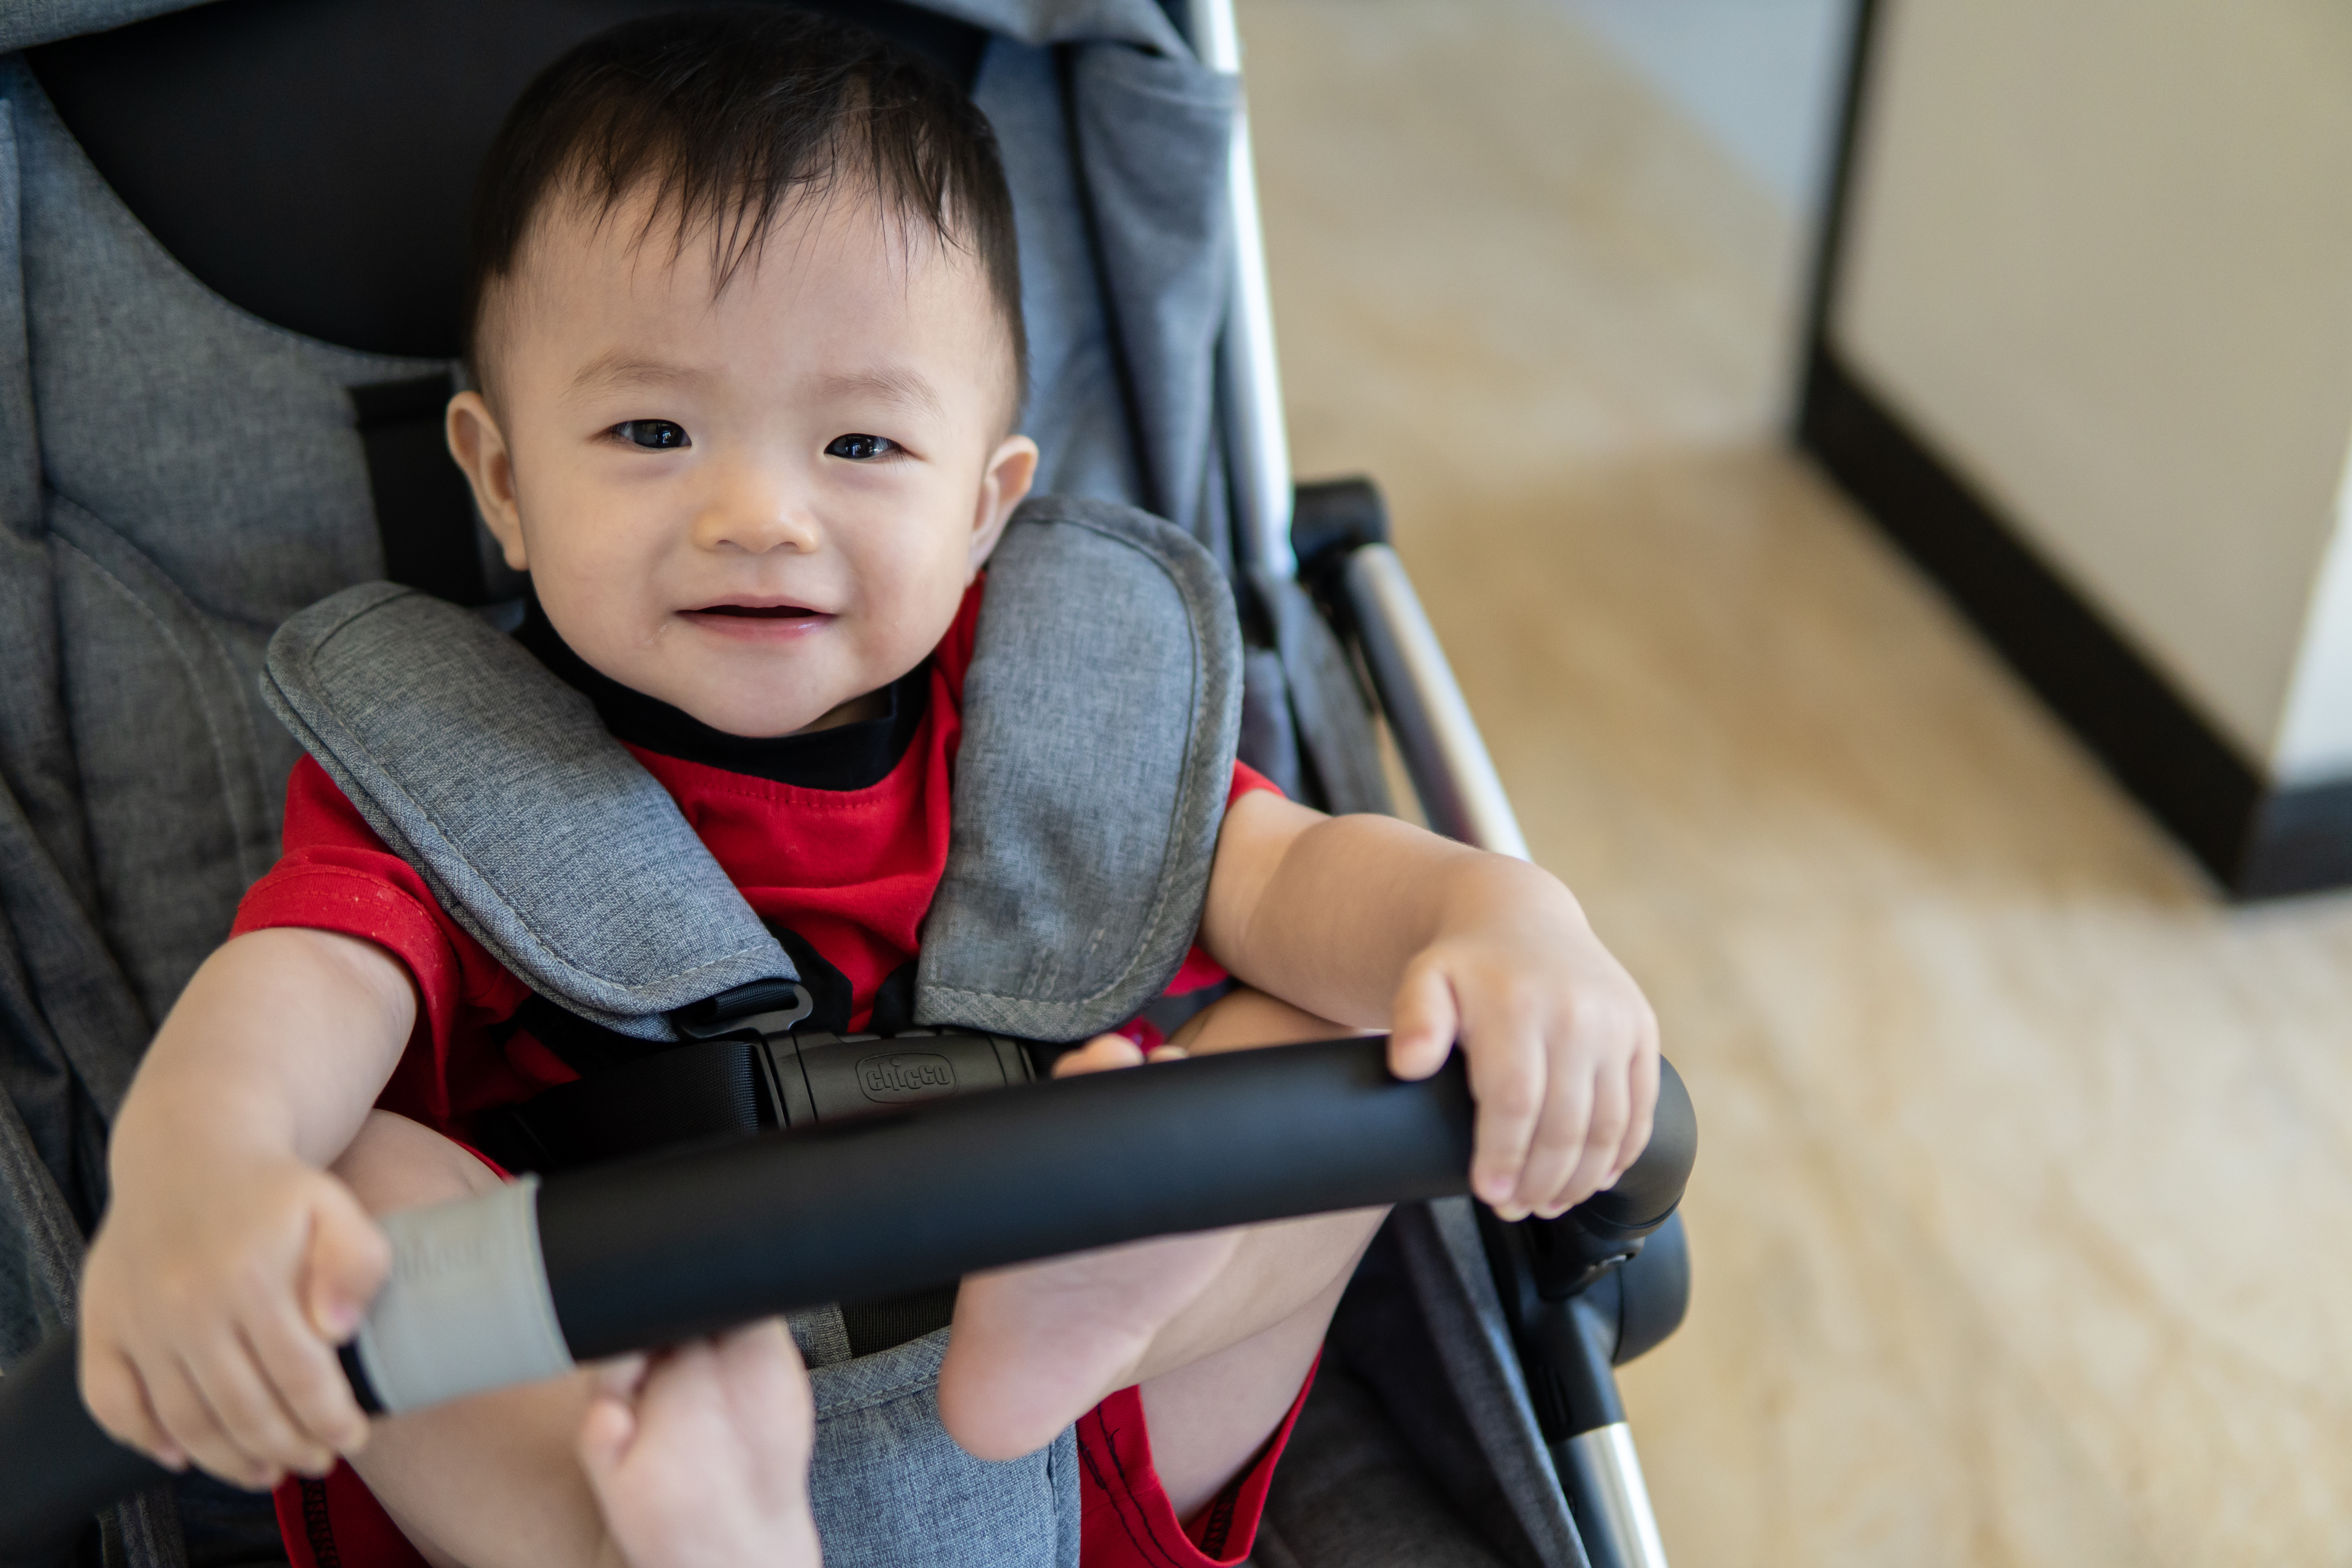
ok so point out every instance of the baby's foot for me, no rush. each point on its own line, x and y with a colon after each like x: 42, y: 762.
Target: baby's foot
x: 699, y: 1457
x: 1036, y: 1346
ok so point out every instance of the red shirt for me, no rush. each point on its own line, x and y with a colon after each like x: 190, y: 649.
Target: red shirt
x: 850, y: 871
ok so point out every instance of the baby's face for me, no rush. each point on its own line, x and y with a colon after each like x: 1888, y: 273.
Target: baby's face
x: 760, y: 504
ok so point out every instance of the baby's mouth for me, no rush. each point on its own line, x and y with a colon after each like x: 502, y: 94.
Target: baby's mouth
x: 757, y: 612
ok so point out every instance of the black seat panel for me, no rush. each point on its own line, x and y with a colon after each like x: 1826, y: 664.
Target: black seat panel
x: 313, y: 161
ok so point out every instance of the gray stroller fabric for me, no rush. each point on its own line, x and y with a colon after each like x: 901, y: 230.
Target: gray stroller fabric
x: 148, y: 555
x: 890, y: 1488
x: 1350, y: 1490
x: 178, y: 478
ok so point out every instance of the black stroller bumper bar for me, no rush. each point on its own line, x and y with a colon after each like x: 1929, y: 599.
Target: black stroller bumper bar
x: 524, y: 1282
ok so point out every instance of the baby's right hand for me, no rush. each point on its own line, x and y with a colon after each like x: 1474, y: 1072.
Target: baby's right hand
x: 699, y: 1457
x: 211, y: 1311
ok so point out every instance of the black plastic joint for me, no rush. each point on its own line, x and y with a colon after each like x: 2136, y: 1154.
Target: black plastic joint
x: 1329, y: 518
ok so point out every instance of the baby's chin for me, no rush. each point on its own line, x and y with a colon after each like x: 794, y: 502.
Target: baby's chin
x: 759, y: 721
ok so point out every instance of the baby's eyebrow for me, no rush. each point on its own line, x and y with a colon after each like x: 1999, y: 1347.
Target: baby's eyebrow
x: 906, y: 388
x: 623, y: 369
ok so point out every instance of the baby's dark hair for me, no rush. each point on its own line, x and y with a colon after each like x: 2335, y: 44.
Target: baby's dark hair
x: 731, y: 114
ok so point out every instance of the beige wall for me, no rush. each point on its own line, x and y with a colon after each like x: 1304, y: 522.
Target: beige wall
x: 2100, y: 256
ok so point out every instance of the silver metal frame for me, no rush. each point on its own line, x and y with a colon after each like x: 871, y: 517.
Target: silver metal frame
x: 1612, y: 1500
x: 1251, y: 389
x: 1461, y: 795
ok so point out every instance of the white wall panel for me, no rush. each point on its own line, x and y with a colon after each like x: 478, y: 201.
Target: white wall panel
x: 2100, y: 257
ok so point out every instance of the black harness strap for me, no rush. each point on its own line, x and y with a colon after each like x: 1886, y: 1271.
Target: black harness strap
x: 424, y: 512
x: 891, y: 1321
x: 635, y: 1097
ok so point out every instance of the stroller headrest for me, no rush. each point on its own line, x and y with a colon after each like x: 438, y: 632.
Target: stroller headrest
x: 313, y: 161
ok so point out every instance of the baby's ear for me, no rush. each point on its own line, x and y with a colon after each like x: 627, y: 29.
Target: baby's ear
x: 1010, y: 470
x: 480, y: 448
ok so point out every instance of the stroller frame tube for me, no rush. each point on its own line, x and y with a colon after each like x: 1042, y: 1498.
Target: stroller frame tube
x: 1461, y: 795
x: 1610, y: 1499
x: 1256, y: 441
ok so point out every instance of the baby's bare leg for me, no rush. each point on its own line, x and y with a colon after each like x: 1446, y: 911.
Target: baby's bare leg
x: 1219, y: 1328
x: 491, y: 1480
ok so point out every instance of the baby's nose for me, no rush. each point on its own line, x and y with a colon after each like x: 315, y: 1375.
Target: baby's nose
x: 757, y: 519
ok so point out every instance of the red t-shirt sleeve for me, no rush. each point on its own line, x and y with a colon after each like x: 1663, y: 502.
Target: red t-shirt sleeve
x: 1126, y: 1520
x: 337, y: 875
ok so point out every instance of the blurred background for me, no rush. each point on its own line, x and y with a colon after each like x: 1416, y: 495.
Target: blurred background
x: 1898, y: 561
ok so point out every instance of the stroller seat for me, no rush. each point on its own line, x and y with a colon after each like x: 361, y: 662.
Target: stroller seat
x: 235, y: 232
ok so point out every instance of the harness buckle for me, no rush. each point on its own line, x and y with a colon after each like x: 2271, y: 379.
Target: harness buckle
x: 808, y: 1079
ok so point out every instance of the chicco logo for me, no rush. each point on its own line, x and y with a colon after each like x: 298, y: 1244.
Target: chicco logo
x: 889, y: 1080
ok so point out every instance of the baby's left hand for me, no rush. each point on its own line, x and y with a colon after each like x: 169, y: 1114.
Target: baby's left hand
x: 1562, y: 1046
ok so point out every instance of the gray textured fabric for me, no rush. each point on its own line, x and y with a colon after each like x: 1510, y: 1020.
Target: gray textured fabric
x: 821, y: 1334
x: 1077, y: 406
x: 1349, y: 1494
x: 535, y: 829
x: 142, y: 1533
x: 1100, y: 715
x: 151, y: 551
x: 891, y: 1490
x: 1140, y: 23
x: 1326, y: 700
x: 1116, y: 150
x: 1152, y: 133
x: 40, y: 1238
x: 23, y: 23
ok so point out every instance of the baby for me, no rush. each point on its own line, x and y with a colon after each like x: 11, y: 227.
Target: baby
x: 748, y: 351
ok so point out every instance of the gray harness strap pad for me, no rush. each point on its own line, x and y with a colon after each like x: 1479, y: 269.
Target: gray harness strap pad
x: 1100, y: 716
x: 536, y: 830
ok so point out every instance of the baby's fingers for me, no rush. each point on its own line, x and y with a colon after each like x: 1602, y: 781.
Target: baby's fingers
x: 1422, y: 1021
x: 1507, y: 1079
x: 759, y: 1368
x: 117, y: 1397
x: 605, y: 1435
x: 1643, y: 1098
x: 187, y: 1412
x: 1558, y: 1147
x: 245, y: 1402
x: 345, y: 1264
x: 1604, y: 1135
x: 308, y: 1378
x: 1104, y: 1052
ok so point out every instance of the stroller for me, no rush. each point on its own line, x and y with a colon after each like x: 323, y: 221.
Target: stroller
x: 236, y: 230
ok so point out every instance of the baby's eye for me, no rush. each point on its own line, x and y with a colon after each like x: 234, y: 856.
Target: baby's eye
x: 861, y: 448
x: 657, y: 435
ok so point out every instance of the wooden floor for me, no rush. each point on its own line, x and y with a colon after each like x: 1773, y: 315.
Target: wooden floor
x: 2023, y: 1219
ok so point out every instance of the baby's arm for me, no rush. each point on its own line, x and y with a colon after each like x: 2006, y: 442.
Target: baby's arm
x: 700, y: 1459
x: 229, y: 1264
x: 1372, y: 921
